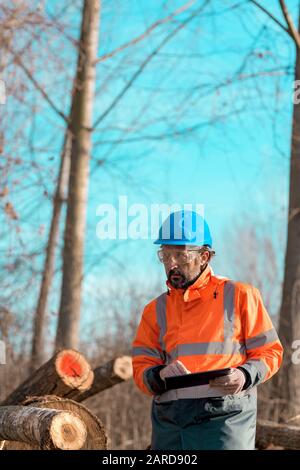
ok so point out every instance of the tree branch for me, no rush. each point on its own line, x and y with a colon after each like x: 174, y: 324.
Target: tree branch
x: 39, y: 88
x: 267, y: 12
x: 146, y: 62
x: 293, y: 32
x: 177, y: 133
x: 146, y: 33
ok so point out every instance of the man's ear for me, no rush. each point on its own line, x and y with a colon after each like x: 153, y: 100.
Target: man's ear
x: 206, y: 257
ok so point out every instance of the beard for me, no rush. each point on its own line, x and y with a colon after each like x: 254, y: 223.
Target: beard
x: 177, y: 279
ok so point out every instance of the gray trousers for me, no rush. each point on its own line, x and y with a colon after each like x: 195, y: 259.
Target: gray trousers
x: 222, y: 423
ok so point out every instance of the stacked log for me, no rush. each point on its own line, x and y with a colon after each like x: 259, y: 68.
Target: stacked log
x: 40, y: 413
x: 42, y: 428
x: 95, y: 436
x: 107, y: 375
x: 65, y: 372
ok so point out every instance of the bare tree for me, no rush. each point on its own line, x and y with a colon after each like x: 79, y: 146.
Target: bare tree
x: 288, y: 379
x: 37, y: 351
x: 80, y: 128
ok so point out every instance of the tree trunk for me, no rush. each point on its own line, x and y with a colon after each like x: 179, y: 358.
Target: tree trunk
x: 80, y: 127
x: 287, y: 381
x: 281, y: 435
x: 96, y: 438
x: 42, y: 427
x: 60, y: 196
x: 105, y: 376
x: 66, y: 371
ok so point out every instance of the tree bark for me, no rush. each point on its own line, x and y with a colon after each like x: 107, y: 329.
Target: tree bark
x: 37, y: 351
x: 287, y: 381
x: 42, y: 427
x: 281, y: 435
x: 66, y: 371
x: 105, y: 376
x: 80, y: 128
x: 96, y: 438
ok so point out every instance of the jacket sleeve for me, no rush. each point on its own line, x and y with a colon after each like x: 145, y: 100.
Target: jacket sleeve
x: 263, y: 347
x: 147, y: 355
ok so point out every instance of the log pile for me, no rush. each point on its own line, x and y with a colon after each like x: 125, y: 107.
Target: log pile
x: 44, y: 411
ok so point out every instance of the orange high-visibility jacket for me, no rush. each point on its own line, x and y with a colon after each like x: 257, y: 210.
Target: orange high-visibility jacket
x: 213, y: 324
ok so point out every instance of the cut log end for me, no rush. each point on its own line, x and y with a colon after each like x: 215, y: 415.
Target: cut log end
x: 67, y: 432
x: 70, y: 366
x: 65, y: 372
x: 123, y: 367
x: 73, y: 369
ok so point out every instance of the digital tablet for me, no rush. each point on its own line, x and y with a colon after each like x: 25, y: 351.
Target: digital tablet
x: 198, y: 378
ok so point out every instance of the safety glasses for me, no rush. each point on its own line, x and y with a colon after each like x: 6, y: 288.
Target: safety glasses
x: 178, y: 255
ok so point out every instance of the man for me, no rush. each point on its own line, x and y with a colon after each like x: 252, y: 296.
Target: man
x: 202, y: 324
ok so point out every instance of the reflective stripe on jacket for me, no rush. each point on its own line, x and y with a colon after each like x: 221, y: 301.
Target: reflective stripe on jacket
x: 213, y: 324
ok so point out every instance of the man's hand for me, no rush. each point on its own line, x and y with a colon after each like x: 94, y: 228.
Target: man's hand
x: 230, y: 384
x: 175, y: 368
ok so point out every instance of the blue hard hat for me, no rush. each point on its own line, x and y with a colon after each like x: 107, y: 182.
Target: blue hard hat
x: 184, y: 227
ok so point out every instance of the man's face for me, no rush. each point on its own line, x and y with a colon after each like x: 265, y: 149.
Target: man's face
x: 183, y: 263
